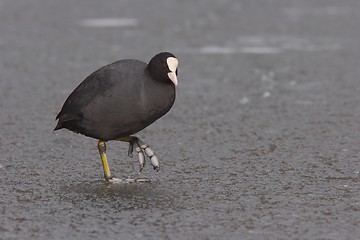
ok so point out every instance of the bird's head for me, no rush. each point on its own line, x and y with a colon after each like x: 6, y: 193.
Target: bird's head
x: 163, y: 67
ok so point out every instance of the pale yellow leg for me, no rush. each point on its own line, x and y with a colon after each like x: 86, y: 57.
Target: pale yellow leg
x: 102, y: 151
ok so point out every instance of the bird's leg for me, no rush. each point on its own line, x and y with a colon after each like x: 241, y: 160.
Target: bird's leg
x: 102, y: 151
x: 131, y: 149
x: 131, y: 140
x: 150, y: 153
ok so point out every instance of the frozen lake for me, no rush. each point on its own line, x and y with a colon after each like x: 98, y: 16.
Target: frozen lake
x: 262, y: 142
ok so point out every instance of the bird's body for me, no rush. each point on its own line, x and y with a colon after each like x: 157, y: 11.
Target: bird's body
x: 121, y: 99
x: 115, y: 101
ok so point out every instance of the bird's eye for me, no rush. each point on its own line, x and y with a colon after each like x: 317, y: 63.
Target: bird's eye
x: 164, y: 65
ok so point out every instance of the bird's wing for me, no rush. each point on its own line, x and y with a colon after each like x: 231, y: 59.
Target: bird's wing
x: 84, y: 93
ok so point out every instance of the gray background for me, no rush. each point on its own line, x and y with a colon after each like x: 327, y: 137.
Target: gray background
x: 262, y: 142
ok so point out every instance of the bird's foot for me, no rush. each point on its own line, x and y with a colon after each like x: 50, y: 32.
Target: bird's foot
x: 142, y: 180
x: 116, y: 180
x: 142, y: 147
x: 108, y: 178
x: 129, y: 180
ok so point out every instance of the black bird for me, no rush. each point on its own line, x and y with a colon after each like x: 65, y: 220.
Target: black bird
x: 121, y: 99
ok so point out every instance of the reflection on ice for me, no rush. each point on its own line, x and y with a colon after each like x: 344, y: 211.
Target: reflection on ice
x: 266, y: 94
x: 109, y: 22
x: 129, y: 180
x: 260, y: 50
x: 232, y: 50
x: 276, y: 44
x: 244, y: 100
x: 297, y: 12
x: 217, y: 50
x: 268, y: 45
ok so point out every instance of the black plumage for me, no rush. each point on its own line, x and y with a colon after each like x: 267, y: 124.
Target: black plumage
x: 121, y: 98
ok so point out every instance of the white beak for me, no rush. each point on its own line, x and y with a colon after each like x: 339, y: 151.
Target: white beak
x: 173, y: 78
x: 172, y: 63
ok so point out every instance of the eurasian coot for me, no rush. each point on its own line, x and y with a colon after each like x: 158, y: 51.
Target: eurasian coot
x: 121, y: 99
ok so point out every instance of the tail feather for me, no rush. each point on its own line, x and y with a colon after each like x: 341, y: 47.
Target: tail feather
x: 67, y: 120
x: 59, y: 125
